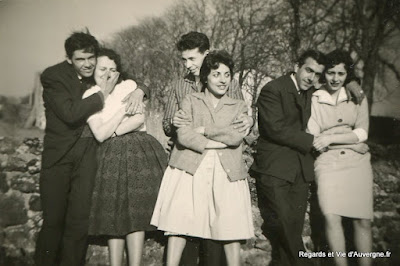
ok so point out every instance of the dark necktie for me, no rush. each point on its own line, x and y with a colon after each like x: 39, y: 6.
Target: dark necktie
x: 88, y: 82
x: 303, y: 97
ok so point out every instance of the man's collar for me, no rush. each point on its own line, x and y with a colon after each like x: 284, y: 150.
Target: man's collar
x: 325, y: 97
x: 293, y: 77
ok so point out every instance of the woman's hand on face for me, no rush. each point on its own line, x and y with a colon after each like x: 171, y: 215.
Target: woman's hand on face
x: 108, y: 84
x: 321, y: 142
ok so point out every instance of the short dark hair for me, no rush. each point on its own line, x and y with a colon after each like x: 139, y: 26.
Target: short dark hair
x: 337, y: 57
x: 212, y: 61
x: 193, y: 40
x: 81, y: 41
x: 318, y: 56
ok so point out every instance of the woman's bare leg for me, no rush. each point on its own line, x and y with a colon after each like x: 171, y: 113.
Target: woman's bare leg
x: 116, y: 250
x: 176, y: 244
x: 363, y: 239
x: 135, y: 243
x: 232, y: 251
x: 335, y: 237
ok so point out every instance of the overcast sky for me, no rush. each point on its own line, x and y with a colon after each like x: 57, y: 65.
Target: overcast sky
x: 32, y: 32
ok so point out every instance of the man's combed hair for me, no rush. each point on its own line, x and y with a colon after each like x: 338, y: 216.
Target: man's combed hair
x: 212, y: 61
x: 193, y: 40
x: 81, y: 41
x: 316, y: 55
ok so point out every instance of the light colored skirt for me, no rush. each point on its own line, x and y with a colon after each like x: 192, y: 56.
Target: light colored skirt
x: 206, y: 205
x: 345, y: 180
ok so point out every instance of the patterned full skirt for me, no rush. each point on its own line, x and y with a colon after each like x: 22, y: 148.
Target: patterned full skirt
x: 127, y: 182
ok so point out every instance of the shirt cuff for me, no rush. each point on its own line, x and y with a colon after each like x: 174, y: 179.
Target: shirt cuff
x: 141, y: 86
x: 361, y: 134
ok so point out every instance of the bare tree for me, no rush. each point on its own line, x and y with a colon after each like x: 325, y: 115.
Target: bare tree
x: 264, y: 37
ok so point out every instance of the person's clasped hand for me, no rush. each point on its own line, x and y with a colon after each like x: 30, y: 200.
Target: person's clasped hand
x: 243, y: 123
x: 322, y: 142
x: 181, y: 119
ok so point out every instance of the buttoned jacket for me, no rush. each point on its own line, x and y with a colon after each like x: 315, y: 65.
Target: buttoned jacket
x: 284, y: 147
x: 218, y: 122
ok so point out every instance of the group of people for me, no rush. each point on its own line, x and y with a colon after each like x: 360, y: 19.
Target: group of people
x: 103, y: 175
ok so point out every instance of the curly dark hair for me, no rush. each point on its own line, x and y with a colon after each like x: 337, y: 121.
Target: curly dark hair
x: 81, y: 41
x: 193, y: 40
x: 337, y: 57
x: 112, y: 55
x: 212, y: 61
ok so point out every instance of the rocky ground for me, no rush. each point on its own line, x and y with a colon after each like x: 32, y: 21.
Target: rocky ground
x: 20, y: 210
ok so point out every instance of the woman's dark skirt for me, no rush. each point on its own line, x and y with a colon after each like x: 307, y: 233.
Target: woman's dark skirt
x: 130, y: 170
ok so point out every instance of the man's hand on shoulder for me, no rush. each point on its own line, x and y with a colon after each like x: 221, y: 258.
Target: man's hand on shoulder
x: 243, y: 123
x: 355, y: 90
x: 107, y: 85
x: 134, y: 102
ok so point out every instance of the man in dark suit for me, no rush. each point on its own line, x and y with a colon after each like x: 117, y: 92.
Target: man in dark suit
x: 283, y: 165
x: 69, y: 156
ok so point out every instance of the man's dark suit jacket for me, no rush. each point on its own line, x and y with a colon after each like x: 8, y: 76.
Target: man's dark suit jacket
x: 66, y: 112
x: 283, y: 148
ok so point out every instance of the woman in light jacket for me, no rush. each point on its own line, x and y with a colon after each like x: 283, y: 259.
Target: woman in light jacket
x: 204, y: 192
x: 343, y: 169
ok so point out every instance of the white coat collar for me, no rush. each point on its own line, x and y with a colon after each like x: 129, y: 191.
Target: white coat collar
x: 325, y: 97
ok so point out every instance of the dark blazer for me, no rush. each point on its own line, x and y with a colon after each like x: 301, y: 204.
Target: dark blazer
x: 66, y: 112
x: 283, y: 148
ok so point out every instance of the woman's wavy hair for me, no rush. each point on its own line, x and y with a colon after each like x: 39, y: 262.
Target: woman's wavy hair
x: 212, y: 61
x: 112, y: 55
x: 337, y: 57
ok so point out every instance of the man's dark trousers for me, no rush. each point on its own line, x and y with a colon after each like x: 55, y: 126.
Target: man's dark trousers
x: 283, y: 205
x: 283, y: 166
x: 203, y: 252
x: 66, y: 189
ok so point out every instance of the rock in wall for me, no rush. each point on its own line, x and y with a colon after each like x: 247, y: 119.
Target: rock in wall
x: 20, y: 210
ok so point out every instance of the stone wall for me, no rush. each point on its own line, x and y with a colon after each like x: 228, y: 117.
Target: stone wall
x: 20, y: 211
